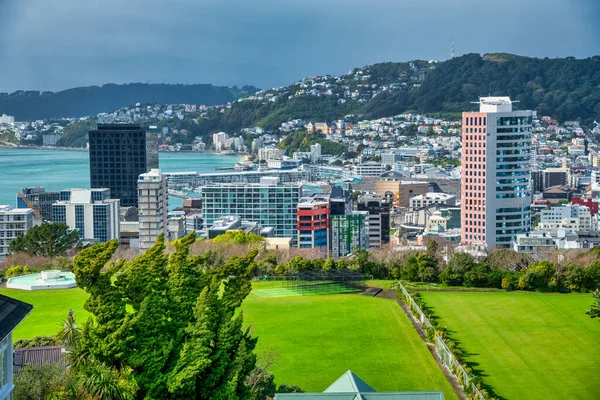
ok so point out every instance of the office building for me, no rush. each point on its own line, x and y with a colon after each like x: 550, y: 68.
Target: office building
x: 119, y: 153
x: 153, y: 209
x: 554, y: 177
x: 369, y: 169
x: 573, y: 218
x: 349, y: 233
x: 496, y: 160
x: 39, y: 200
x: 91, y: 212
x: 269, y: 203
x: 14, y: 222
x: 378, y: 220
x: 313, y: 222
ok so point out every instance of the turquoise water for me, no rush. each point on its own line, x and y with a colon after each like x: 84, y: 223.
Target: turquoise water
x: 25, y: 282
x: 63, y: 169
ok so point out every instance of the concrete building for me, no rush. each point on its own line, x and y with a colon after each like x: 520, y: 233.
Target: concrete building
x: 315, y: 153
x: 423, y: 200
x: 572, y: 218
x: 91, y: 212
x: 496, y: 160
x: 153, y: 207
x: 119, y: 153
x: 220, y: 140
x: 50, y: 139
x: 313, y: 222
x: 14, y: 222
x: 269, y: 203
x: 7, y: 119
x: 270, y: 153
x: 378, y: 220
x: 38, y: 199
x: 538, y: 243
x: 369, y: 168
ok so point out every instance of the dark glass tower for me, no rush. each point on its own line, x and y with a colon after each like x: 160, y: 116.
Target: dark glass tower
x: 119, y: 153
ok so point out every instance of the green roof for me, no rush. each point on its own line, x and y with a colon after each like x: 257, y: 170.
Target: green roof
x: 351, y: 387
x: 349, y: 383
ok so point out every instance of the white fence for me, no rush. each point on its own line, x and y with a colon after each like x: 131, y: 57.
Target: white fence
x: 448, y: 358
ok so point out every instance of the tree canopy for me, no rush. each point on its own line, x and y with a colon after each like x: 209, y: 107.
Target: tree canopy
x: 47, y: 240
x: 171, y: 321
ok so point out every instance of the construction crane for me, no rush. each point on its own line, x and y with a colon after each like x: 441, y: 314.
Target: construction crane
x: 37, y: 214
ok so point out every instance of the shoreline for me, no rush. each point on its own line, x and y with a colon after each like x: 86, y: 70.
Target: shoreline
x: 20, y: 146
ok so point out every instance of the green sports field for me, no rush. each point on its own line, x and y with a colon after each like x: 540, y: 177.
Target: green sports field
x: 50, y: 309
x: 525, y: 345
x: 318, y: 338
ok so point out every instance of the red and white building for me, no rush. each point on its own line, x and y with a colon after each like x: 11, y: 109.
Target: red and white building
x: 496, y: 176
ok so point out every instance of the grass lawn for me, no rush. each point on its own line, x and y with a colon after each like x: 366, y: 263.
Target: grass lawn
x: 50, y: 309
x: 525, y: 346
x: 318, y: 338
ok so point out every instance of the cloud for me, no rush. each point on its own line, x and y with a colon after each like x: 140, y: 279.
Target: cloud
x: 55, y: 44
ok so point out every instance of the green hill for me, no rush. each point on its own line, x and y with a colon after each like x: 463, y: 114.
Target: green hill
x: 564, y: 88
x: 91, y: 100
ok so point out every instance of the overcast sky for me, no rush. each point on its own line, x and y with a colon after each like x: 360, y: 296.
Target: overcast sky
x: 57, y: 44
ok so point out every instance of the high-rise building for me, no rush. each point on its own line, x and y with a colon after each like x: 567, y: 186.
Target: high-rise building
x: 14, y: 222
x: 119, y: 153
x: 496, y: 187
x: 349, y: 233
x: 315, y: 153
x: 379, y: 218
x: 153, y: 210
x: 313, y: 222
x: 269, y: 203
x: 7, y: 119
x: 554, y: 177
x: 38, y: 199
x: 91, y: 212
x: 220, y: 140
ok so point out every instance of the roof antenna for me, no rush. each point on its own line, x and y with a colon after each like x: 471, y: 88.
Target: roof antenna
x: 452, y: 53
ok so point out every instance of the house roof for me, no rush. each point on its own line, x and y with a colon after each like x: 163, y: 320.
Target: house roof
x: 351, y: 387
x: 12, y: 312
x: 38, y: 356
x: 349, y: 383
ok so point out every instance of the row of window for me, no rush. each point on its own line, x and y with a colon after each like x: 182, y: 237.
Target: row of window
x: 475, y: 121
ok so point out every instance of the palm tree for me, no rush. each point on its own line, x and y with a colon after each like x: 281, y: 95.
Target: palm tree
x: 69, y: 335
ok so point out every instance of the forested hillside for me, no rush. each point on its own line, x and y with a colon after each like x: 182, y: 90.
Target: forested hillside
x: 91, y: 100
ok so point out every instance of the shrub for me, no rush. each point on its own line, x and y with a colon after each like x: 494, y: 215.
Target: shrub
x: 17, y: 270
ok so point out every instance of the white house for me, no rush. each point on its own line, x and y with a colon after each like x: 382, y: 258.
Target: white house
x: 12, y: 313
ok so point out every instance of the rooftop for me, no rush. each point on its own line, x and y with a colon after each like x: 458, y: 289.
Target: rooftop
x: 12, y: 313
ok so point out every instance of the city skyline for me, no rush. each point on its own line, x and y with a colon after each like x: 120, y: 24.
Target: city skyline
x: 58, y: 45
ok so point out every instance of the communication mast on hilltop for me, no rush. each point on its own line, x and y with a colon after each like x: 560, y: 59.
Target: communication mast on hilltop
x: 452, y: 53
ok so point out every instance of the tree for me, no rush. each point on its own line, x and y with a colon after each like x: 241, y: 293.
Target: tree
x: 594, y: 311
x: 47, y: 239
x: 170, y: 322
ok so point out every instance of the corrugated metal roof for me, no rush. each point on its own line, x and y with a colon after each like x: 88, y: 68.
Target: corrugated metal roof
x: 38, y: 356
x: 11, y: 313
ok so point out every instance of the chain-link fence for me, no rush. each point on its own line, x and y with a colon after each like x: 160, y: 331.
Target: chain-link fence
x: 446, y: 356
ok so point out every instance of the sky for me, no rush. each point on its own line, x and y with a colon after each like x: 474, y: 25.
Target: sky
x: 58, y: 44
